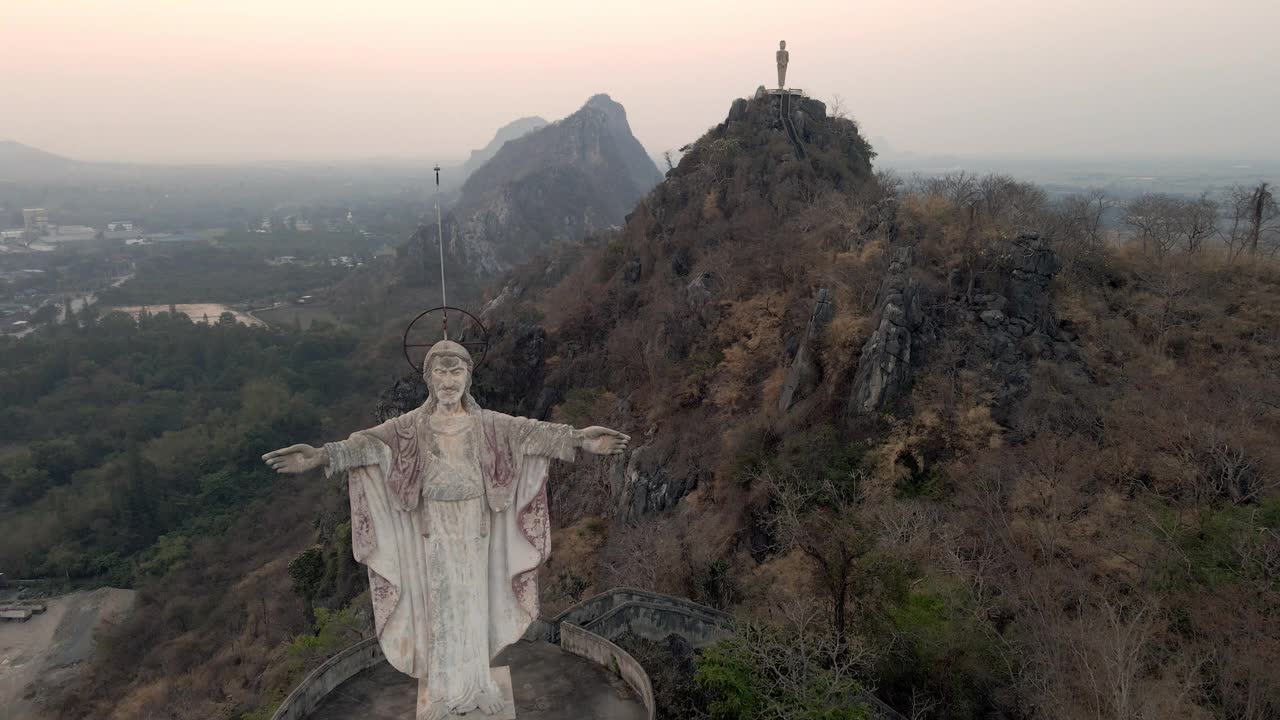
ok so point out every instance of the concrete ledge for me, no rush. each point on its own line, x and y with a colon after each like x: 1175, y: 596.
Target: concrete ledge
x: 587, y: 612
x: 601, y: 651
x: 609, y: 615
x: 656, y: 621
x: 335, y: 671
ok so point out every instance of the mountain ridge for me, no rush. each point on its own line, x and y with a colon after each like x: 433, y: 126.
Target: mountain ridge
x: 512, y: 130
x: 577, y: 175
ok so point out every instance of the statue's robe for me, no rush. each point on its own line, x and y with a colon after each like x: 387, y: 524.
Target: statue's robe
x: 452, y: 572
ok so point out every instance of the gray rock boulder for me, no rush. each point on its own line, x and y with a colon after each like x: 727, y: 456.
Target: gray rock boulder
x: 804, y: 374
x: 884, y: 368
x: 702, y: 295
x: 648, y: 486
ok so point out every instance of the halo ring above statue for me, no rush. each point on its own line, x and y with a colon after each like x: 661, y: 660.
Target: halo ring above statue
x: 469, y: 333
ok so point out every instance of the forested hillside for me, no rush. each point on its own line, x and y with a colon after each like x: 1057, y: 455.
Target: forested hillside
x: 942, y: 440
x: 124, y: 440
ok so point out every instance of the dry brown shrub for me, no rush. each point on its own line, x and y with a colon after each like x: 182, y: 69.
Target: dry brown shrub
x: 750, y: 330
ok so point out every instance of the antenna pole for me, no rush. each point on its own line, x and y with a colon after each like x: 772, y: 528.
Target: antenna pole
x: 444, y: 299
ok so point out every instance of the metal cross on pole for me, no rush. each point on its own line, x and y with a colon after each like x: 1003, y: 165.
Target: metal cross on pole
x: 470, y: 324
x: 444, y: 300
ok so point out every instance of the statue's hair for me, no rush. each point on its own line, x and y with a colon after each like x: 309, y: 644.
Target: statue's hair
x: 449, y: 349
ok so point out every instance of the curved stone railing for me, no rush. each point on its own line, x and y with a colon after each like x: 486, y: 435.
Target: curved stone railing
x: 655, y: 622
x: 602, y: 651
x: 587, y: 629
x: 619, y: 612
x: 646, y: 614
x: 335, y: 671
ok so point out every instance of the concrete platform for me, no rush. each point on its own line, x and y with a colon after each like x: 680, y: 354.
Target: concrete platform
x: 549, y: 684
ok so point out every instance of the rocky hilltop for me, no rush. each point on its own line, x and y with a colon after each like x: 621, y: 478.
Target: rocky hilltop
x: 576, y: 176
x: 699, y: 299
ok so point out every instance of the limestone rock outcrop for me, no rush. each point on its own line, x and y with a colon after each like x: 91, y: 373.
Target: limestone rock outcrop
x: 1015, y: 325
x: 648, y: 483
x: 804, y: 373
x: 884, y: 368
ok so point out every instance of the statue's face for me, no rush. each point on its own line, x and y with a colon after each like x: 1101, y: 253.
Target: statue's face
x: 448, y: 377
x: 782, y: 44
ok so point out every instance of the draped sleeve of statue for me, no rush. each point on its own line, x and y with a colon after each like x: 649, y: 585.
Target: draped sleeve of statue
x: 386, y: 467
x: 515, y: 457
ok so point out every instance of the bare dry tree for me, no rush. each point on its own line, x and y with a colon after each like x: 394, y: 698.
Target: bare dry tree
x: 797, y: 660
x: 644, y: 555
x: 1163, y: 222
x: 1264, y: 221
x: 1110, y: 648
x: 1152, y: 218
x: 923, y: 704
x: 1197, y: 221
x: 819, y: 518
x: 1170, y: 286
x: 1074, y: 225
x: 837, y: 108
x: 1235, y: 232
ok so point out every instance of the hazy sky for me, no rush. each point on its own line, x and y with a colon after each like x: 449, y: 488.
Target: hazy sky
x: 161, y: 80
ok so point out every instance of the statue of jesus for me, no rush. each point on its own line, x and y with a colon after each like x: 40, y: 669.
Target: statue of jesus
x: 783, y: 58
x: 449, y: 514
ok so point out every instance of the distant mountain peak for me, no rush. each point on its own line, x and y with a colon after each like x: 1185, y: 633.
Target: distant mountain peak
x: 10, y: 148
x: 602, y: 100
x: 512, y: 130
x: 577, y: 175
x: 19, y: 161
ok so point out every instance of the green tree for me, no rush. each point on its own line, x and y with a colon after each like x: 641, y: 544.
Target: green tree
x: 788, y: 673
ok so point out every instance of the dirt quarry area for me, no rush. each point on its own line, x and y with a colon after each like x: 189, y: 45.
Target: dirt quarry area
x: 200, y: 312
x: 46, y: 651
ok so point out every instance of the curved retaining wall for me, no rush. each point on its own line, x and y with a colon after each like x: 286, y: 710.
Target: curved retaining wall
x: 587, y: 630
x: 335, y: 671
x: 586, y: 644
x: 655, y: 622
x: 649, y: 615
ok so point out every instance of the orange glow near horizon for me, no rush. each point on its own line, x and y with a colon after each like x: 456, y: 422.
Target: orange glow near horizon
x: 234, y: 80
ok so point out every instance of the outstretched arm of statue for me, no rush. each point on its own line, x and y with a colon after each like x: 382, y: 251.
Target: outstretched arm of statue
x: 555, y: 440
x: 296, y: 459
x: 599, y: 440
x: 335, y: 457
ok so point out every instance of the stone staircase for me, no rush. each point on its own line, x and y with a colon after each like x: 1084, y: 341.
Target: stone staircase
x: 784, y: 111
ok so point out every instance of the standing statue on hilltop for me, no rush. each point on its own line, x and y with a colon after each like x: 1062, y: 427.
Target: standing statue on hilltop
x: 449, y: 513
x: 783, y: 57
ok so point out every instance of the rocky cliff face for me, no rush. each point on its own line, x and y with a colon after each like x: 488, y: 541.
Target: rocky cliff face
x: 652, y: 341
x: 560, y: 182
x: 884, y: 369
x: 1013, y: 324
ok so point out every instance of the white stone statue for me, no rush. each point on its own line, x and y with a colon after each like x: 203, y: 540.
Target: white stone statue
x: 449, y: 513
x: 783, y: 57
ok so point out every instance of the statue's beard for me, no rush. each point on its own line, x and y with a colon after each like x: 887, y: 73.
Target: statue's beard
x: 463, y: 398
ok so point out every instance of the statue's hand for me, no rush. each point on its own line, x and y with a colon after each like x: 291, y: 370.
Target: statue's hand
x: 603, y: 441
x: 295, y: 459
